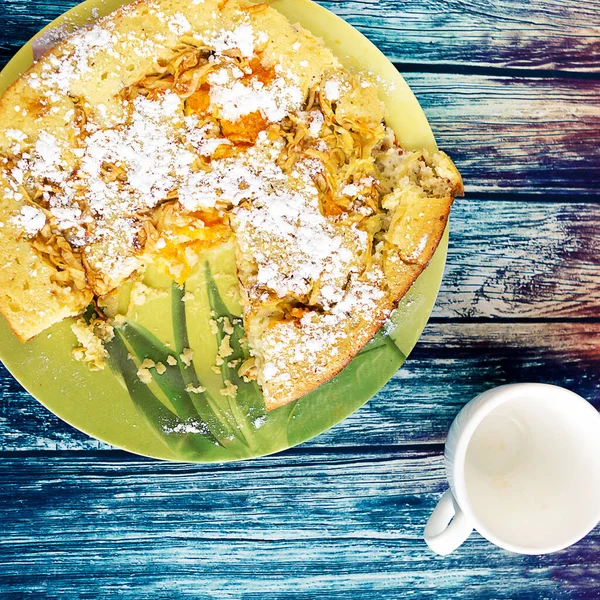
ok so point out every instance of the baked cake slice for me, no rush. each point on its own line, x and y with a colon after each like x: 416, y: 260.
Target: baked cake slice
x: 172, y: 126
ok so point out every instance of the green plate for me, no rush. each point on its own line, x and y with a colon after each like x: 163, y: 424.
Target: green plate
x: 162, y: 419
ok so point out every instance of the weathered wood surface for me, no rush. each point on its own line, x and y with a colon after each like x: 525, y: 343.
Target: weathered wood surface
x: 452, y: 363
x: 340, y: 525
x: 342, y: 516
x: 516, y: 259
x: 546, y: 34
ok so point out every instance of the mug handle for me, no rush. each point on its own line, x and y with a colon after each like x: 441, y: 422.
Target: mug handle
x: 448, y: 527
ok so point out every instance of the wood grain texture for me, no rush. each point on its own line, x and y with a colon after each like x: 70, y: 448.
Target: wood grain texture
x: 538, y: 136
x: 342, y: 516
x: 333, y: 524
x: 516, y: 259
x: 452, y: 363
x: 546, y: 34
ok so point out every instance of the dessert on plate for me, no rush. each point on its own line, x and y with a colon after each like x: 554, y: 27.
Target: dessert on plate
x: 174, y: 126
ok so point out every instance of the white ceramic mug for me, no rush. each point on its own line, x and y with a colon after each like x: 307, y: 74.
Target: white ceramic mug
x: 523, y: 462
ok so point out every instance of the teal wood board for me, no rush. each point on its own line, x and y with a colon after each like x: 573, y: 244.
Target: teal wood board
x: 512, y: 91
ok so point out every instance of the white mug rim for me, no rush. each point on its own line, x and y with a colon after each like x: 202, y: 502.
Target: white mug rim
x: 499, y: 396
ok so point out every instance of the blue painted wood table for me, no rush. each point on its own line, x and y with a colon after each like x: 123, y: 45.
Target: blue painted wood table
x: 512, y: 91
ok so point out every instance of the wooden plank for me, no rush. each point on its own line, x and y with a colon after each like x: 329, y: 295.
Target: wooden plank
x: 506, y: 134
x: 547, y: 34
x: 452, y: 363
x: 300, y: 525
x: 520, y: 259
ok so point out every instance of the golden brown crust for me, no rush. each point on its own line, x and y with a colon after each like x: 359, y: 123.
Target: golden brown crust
x: 409, y: 248
x: 348, y: 349
x: 355, y: 338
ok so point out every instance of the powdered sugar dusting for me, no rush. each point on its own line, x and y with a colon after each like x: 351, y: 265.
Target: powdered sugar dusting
x: 306, y: 348
x: 332, y: 90
x: 293, y: 244
x: 192, y: 426
x: 147, y: 148
x: 60, y: 72
x: 241, y: 38
x: 31, y: 219
x: 235, y: 99
x: 154, y: 150
x: 315, y: 122
x: 99, y: 215
x: 178, y: 24
x: 420, y: 247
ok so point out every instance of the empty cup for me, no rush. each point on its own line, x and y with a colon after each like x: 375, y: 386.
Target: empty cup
x: 523, y: 462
